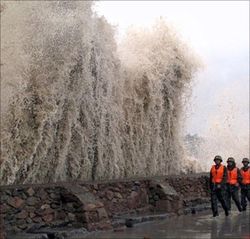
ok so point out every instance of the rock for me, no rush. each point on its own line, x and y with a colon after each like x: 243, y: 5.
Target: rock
x: 101, y: 194
x: 89, y: 207
x: 34, y: 227
x: 22, y: 215
x: 46, y: 211
x: 32, y: 201
x: 4, y: 208
x: 29, y: 220
x: 99, y: 204
x: 102, y: 214
x: 105, y: 226
x: 109, y: 195
x: 93, y: 216
x: 17, y: 192
x: 37, y: 219
x: 54, y: 205
x: 71, y: 216
x: 48, y: 217
x: 59, y: 224
x: 77, y: 224
x: 54, y: 196
x: 42, y: 194
x: 4, y: 198
x: 16, y: 202
x: 84, y: 217
x: 114, y: 200
x: 70, y: 206
x: 30, y: 192
x: 60, y: 215
x: 45, y: 206
x: 22, y: 227
x: 118, y: 195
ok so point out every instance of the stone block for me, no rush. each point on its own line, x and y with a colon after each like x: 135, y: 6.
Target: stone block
x: 89, y: 207
x: 118, y: 195
x: 48, y: 218
x: 45, y: 206
x: 22, y: 215
x: 30, y: 192
x: 32, y: 201
x: 4, y: 208
x: 60, y: 215
x: 71, y: 216
x: 37, y: 219
x: 109, y: 195
x: 102, y: 214
x: 16, y: 202
x: 99, y: 204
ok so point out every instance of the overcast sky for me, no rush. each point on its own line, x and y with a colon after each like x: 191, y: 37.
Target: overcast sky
x: 218, y: 31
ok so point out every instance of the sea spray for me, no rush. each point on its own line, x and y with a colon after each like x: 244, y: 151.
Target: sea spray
x: 77, y: 106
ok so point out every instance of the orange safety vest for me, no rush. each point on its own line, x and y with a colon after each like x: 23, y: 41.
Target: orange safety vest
x: 217, y: 174
x: 245, y: 176
x: 232, y: 176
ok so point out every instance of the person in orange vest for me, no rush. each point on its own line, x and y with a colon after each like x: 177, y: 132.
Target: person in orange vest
x: 233, y: 180
x: 245, y: 183
x: 218, y: 179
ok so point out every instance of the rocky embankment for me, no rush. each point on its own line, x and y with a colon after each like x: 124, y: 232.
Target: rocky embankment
x: 68, y: 210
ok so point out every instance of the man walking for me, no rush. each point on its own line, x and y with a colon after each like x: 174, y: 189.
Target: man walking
x: 218, y: 179
x: 245, y: 183
x: 233, y: 180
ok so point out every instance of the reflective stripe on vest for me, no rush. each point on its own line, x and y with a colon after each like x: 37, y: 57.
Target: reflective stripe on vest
x: 217, y: 174
x: 245, y: 176
x: 232, y: 176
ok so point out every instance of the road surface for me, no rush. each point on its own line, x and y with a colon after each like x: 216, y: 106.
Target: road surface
x: 197, y: 226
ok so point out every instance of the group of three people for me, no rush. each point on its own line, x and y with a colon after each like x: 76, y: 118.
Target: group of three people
x: 225, y: 182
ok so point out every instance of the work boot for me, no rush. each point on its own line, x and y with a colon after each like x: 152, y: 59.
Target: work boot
x: 215, y: 214
x: 226, y: 212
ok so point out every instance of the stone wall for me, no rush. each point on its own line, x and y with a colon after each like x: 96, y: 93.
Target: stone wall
x: 99, y: 205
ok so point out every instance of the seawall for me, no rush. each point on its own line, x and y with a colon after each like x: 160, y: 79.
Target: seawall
x: 99, y: 205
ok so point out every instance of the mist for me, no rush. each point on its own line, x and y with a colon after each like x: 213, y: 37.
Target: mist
x: 77, y: 106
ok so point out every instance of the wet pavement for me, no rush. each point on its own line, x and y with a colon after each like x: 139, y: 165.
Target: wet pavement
x: 197, y: 226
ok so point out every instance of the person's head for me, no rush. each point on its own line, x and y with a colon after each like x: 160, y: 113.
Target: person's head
x: 217, y: 159
x: 245, y: 162
x: 231, y: 162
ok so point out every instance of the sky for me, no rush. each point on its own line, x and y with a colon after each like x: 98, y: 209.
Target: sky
x: 218, y: 31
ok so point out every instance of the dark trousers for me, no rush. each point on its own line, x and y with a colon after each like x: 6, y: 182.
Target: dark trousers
x: 218, y: 194
x: 233, y: 193
x: 245, y: 194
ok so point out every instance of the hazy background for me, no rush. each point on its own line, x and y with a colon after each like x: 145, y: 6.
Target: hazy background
x: 218, y: 31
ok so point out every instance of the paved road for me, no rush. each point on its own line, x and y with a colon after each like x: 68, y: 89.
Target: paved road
x: 197, y: 226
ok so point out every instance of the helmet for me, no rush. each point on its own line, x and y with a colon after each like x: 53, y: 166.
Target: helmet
x: 245, y: 160
x: 230, y: 159
x: 218, y: 157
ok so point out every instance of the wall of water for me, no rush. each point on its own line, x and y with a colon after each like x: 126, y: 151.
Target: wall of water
x: 75, y: 105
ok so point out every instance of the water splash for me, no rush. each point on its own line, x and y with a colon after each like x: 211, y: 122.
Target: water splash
x: 76, y: 107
